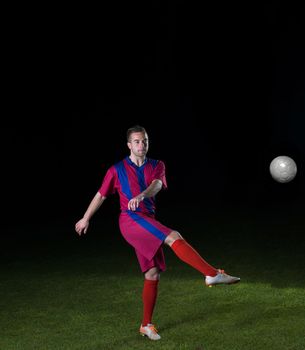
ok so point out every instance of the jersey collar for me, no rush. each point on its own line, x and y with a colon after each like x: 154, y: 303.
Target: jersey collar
x: 130, y: 162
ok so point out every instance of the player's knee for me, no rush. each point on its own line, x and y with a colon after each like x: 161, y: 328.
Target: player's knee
x: 152, y: 274
x: 172, y: 237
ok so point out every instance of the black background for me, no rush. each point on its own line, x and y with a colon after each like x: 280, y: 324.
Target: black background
x: 219, y: 88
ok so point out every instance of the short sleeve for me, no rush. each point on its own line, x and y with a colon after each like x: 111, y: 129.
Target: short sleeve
x: 108, y: 184
x: 159, y: 173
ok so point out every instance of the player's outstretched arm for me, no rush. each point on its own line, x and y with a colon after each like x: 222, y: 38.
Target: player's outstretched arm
x: 82, y: 225
x: 150, y: 191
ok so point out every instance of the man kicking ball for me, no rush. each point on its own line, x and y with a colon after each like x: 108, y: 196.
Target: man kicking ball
x: 137, y: 179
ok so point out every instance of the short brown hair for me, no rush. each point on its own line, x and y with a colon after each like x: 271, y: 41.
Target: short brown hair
x: 135, y: 128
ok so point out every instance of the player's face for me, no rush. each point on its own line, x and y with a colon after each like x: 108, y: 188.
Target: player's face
x: 138, y: 144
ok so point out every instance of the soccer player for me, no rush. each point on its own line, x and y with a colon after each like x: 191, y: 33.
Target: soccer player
x: 137, y: 179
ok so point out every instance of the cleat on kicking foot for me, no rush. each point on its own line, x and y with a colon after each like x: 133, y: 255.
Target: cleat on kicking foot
x: 221, y: 278
x: 149, y: 331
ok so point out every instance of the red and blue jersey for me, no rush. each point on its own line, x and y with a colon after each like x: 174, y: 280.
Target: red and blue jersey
x: 129, y: 180
x: 139, y: 227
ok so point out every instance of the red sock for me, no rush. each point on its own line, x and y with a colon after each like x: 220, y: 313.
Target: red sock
x: 188, y: 254
x: 149, y: 296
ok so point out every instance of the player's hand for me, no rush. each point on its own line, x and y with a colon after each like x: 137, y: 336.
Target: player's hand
x: 82, y: 226
x: 134, y: 203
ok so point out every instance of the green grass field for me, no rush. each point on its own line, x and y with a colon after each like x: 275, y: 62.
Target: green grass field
x: 59, y: 291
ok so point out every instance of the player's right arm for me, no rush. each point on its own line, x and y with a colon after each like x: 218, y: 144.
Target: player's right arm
x: 82, y: 225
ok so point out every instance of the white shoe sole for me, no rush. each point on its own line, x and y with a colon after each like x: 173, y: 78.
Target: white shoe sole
x: 222, y: 283
x: 145, y: 335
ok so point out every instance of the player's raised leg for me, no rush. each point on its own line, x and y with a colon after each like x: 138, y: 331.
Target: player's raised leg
x: 189, y: 255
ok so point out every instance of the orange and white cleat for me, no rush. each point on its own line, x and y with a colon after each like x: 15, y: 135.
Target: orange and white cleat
x: 149, y: 331
x: 221, y: 278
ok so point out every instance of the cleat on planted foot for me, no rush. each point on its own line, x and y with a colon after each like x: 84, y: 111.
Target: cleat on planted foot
x: 149, y: 331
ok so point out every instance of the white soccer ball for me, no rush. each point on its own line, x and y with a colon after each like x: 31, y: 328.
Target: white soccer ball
x: 283, y: 169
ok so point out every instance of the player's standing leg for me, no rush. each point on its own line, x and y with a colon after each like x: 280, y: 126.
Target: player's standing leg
x: 149, y: 297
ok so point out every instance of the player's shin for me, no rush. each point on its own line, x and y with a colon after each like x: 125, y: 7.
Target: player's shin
x: 149, y: 297
x: 189, y: 255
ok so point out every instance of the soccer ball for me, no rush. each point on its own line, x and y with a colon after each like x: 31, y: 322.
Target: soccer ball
x: 283, y: 169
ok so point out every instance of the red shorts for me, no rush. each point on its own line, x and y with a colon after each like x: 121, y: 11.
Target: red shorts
x: 157, y: 261
x: 146, y: 235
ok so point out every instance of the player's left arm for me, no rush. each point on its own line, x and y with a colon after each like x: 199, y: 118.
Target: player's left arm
x: 150, y: 191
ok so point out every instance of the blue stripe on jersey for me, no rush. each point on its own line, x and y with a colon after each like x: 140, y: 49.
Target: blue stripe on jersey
x: 148, y: 226
x: 141, y: 180
x: 153, y: 162
x: 123, y: 178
